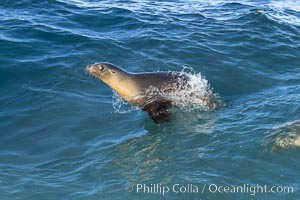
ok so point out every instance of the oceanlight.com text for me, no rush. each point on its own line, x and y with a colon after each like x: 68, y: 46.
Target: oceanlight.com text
x: 177, y: 188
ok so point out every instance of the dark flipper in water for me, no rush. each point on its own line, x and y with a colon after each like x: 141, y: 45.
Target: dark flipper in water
x: 159, y: 110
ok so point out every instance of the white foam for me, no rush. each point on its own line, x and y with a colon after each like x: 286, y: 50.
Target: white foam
x: 120, y: 105
x: 81, y: 3
x: 195, y: 94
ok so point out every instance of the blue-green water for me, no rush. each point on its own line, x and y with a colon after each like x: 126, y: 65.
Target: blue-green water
x: 61, y: 138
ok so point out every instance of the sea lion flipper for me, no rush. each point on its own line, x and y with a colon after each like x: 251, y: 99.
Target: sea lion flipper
x: 158, y: 110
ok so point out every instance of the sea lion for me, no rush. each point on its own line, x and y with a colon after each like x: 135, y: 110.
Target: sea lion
x: 148, y: 91
x: 284, y: 136
x: 287, y: 136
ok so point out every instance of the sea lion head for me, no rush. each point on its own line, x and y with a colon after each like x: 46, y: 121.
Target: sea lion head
x: 107, y: 72
x: 104, y: 70
x: 114, y: 77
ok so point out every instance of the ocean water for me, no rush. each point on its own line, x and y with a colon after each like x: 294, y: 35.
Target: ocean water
x: 61, y: 137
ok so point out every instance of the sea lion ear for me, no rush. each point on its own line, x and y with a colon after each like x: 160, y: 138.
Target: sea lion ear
x: 112, y: 71
x: 159, y: 111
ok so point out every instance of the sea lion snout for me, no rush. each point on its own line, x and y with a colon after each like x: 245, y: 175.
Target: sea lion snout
x: 97, y: 66
x: 95, y: 69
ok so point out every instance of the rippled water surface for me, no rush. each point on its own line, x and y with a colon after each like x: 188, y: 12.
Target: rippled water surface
x: 62, y: 138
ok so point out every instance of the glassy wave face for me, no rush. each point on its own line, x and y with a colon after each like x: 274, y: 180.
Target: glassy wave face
x: 64, y: 134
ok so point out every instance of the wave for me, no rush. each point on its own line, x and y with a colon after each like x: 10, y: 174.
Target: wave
x: 286, y: 5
